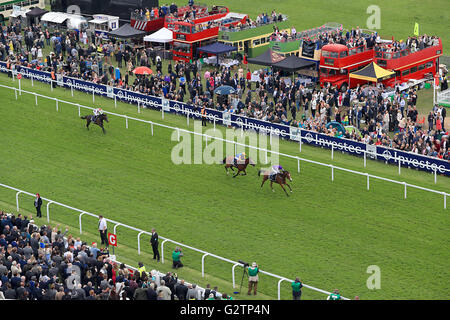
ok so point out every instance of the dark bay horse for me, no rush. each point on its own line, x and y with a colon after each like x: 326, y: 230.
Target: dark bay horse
x: 241, y: 166
x: 98, y: 121
x: 280, y: 178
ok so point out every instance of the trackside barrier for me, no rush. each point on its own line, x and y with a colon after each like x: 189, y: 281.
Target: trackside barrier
x: 381, y: 153
x: 140, y: 232
x: 399, y: 160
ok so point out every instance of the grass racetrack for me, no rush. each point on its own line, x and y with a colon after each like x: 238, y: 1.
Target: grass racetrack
x: 327, y: 233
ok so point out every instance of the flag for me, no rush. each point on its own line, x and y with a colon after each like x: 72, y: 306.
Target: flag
x: 416, y: 29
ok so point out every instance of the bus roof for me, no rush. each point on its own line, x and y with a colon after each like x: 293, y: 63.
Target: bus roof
x: 334, y: 47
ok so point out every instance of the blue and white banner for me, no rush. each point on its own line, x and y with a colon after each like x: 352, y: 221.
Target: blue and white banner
x: 224, y: 118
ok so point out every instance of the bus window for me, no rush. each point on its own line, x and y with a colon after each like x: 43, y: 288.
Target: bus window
x: 323, y: 72
x: 422, y: 66
x: 330, y: 54
x: 382, y: 63
x: 263, y: 40
x: 343, y: 54
x: 329, y: 61
x: 429, y: 64
x: 405, y: 72
x: 413, y: 69
x: 332, y: 72
x: 256, y: 42
x: 343, y: 71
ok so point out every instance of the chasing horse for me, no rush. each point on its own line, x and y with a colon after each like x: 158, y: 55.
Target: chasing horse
x: 98, y: 117
x: 240, y: 162
x: 277, y: 175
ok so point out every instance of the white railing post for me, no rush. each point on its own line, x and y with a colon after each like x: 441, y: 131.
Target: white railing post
x: 48, y: 210
x: 203, y: 264
x: 162, y: 250
x: 79, y: 221
x: 300, y: 145
x: 115, y: 101
x: 435, y: 176
x: 115, y: 226
x: 214, y: 124
x: 56, y: 104
x: 445, y: 200
x: 93, y: 95
x: 332, y: 172
x: 178, y: 132
x: 79, y: 111
x: 365, y: 159
x: 404, y: 183
x: 399, y: 166
x: 162, y: 112
x: 15, y: 91
x: 279, y: 288
x: 32, y: 81
x: 298, y: 165
x: 368, y: 183
x: 139, y: 241
x: 71, y: 89
x: 126, y: 122
x: 233, y: 274
x: 139, y: 107
x: 35, y: 98
x: 17, y: 200
x: 332, y: 152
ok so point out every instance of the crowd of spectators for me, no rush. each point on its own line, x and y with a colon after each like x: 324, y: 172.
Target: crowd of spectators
x: 47, y: 263
x: 412, y: 44
x: 391, y: 122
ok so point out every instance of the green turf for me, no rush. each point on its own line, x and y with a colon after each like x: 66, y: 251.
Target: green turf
x: 327, y: 233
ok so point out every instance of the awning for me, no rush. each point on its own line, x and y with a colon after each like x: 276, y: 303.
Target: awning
x: 19, y: 13
x: 126, y: 31
x: 36, y: 12
x: 293, y: 63
x: 217, y: 48
x: 163, y: 35
x: 98, y: 21
x: 54, y: 17
x: 373, y: 73
x: 268, y: 58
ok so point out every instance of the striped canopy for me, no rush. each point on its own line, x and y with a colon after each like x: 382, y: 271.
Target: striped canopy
x: 373, y: 73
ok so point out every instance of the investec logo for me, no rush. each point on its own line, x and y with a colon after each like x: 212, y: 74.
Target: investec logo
x: 414, y: 162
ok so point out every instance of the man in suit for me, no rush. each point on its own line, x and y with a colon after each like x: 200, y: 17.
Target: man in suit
x: 103, y: 229
x: 154, y: 243
x: 37, y: 205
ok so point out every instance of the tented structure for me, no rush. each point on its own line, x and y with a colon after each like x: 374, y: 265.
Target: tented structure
x: 126, y: 31
x: 293, y: 63
x: 36, y: 13
x: 163, y: 35
x: 268, y: 58
x: 217, y: 49
x: 372, y: 73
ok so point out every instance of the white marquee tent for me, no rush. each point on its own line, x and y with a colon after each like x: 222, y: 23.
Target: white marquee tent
x: 164, y: 35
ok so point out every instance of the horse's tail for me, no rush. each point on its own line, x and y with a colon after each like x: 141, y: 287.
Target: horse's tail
x: 259, y: 172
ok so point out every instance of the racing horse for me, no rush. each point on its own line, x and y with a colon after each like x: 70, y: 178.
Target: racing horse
x: 241, y: 166
x: 98, y: 121
x: 279, y: 178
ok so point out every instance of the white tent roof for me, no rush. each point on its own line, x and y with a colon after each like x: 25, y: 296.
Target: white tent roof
x: 19, y: 13
x: 55, y: 17
x: 163, y: 35
x: 98, y: 21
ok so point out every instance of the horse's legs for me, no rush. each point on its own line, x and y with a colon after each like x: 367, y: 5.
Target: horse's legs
x: 104, y: 131
x: 226, y: 169
x: 245, y: 173
x: 237, y: 173
x: 264, y: 180
x: 284, y: 189
x: 87, y: 124
x: 271, y: 186
x: 289, y: 187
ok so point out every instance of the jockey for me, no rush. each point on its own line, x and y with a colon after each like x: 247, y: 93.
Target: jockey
x: 276, y: 169
x: 97, y: 112
x: 240, y: 158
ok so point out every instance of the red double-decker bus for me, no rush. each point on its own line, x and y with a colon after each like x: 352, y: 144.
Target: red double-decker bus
x: 337, y: 61
x: 410, y: 64
x: 152, y: 24
x: 188, y: 36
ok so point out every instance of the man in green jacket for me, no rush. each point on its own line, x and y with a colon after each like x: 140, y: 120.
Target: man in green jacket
x: 253, y: 278
x: 176, y: 258
x: 297, y: 289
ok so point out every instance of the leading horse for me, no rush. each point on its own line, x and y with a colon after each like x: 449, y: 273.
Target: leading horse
x: 240, y: 165
x: 98, y: 121
x: 279, y: 178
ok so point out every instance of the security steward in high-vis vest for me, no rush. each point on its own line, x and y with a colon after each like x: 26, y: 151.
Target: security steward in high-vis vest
x: 53, y: 77
x: 141, y: 269
x: 203, y: 116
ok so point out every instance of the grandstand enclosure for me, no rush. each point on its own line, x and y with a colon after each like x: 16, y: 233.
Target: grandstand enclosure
x: 327, y: 233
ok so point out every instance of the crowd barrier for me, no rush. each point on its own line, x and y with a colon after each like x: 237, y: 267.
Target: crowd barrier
x: 387, y: 155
